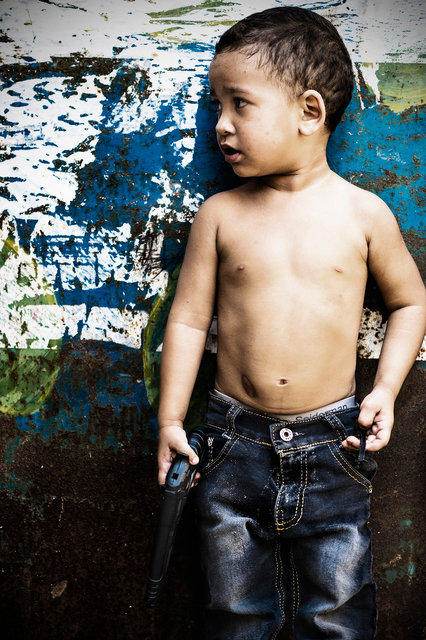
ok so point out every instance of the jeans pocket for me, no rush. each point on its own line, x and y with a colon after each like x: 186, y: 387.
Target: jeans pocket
x: 218, y: 447
x: 361, y: 472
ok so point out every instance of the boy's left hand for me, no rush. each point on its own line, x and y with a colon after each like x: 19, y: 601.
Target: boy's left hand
x: 376, y: 416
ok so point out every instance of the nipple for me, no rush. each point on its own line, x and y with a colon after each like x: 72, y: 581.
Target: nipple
x: 338, y: 269
x: 240, y: 267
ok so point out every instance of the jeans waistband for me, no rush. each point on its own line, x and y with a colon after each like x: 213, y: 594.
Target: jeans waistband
x: 283, y: 435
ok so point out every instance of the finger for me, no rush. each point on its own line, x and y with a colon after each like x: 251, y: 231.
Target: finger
x: 162, y: 477
x: 351, y: 443
x: 164, y: 462
x: 196, y: 480
x: 380, y: 440
x: 188, y: 451
x: 366, y: 416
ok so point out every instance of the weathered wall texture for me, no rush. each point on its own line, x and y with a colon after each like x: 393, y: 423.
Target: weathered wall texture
x: 107, y: 150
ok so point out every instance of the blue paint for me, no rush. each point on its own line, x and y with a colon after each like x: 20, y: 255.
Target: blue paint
x: 93, y: 375
x: 375, y: 148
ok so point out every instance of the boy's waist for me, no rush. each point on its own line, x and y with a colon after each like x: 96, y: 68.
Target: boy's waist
x: 332, y: 422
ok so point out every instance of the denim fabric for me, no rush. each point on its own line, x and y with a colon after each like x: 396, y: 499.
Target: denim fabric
x: 282, y: 512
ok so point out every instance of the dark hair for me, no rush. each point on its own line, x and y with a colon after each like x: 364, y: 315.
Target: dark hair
x: 301, y: 48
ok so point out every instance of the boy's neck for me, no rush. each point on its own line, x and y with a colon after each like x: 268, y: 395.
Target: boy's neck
x: 308, y: 174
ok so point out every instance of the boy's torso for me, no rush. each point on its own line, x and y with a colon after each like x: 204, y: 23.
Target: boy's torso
x: 291, y: 282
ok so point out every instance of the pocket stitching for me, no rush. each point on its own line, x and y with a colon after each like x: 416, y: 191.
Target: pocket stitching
x: 220, y: 458
x: 349, y: 470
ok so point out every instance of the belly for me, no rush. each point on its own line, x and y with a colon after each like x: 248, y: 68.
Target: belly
x: 287, y: 358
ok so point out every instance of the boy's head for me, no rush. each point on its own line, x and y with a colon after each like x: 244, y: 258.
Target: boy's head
x: 301, y: 49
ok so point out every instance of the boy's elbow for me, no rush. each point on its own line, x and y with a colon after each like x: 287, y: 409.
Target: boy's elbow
x: 192, y: 321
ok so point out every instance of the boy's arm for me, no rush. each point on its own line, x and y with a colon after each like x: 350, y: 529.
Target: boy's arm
x: 187, y: 327
x: 404, y: 295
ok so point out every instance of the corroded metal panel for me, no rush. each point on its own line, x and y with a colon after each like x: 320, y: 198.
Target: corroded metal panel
x: 107, y: 150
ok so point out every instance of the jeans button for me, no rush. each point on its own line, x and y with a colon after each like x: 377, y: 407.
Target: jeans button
x: 286, y: 434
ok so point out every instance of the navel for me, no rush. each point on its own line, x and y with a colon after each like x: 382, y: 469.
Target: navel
x: 248, y: 387
x: 338, y: 269
x: 282, y: 382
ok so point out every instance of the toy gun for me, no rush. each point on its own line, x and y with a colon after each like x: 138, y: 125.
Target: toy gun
x: 175, y: 492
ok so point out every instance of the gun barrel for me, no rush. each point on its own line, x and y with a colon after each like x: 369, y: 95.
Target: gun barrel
x: 178, y: 483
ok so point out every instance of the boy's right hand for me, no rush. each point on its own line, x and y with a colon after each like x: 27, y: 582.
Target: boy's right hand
x: 172, y: 440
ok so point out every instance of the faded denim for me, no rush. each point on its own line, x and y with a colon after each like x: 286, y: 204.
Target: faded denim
x: 282, y: 512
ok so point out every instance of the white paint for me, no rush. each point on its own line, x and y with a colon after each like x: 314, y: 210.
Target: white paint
x: 25, y: 324
x: 369, y: 73
x: 41, y: 133
x: 373, y: 330
x: 375, y: 31
x: 113, y: 325
x: 380, y: 30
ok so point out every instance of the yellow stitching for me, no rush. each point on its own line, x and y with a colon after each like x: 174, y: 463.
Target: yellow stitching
x: 282, y: 528
x: 221, y: 457
x: 268, y: 444
x: 278, y: 580
x: 341, y: 459
x: 279, y: 587
x: 297, y: 584
x: 364, y: 483
x: 307, y: 446
x: 304, y: 468
x: 240, y: 435
x: 282, y: 522
x: 292, y: 582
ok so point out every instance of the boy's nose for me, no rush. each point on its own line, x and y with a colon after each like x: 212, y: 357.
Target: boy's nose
x: 224, y: 125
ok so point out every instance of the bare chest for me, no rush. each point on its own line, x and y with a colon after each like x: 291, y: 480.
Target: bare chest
x: 326, y: 255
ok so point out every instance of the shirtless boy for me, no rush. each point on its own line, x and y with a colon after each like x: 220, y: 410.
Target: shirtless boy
x: 283, y: 498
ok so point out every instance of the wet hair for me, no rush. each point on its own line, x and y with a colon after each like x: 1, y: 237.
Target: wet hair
x: 299, y: 48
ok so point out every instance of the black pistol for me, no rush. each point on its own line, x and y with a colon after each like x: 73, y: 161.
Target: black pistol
x: 175, y: 492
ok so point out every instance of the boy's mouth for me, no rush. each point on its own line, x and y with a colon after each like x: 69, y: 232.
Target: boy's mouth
x: 230, y: 153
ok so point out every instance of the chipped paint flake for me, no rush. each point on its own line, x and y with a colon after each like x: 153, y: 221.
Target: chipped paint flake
x: 122, y: 327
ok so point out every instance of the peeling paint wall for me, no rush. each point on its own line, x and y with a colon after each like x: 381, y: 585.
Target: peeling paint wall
x: 107, y: 149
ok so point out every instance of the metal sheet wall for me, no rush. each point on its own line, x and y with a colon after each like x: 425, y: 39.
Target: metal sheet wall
x: 107, y: 150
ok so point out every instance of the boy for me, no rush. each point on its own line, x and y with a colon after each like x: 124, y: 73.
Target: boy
x: 284, y: 493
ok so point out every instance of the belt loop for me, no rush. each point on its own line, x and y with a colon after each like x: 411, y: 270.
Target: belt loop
x: 231, y: 414
x: 334, y: 422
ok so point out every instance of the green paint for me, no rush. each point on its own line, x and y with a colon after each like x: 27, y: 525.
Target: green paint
x: 406, y: 570
x: 25, y: 301
x: 404, y: 558
x: 27, y: 375
x: 181, y: 11
x: 391, y: 575
x: 62, y: 5
x: 184, y: 36
x: 153, y: 339
x: 401, y: 85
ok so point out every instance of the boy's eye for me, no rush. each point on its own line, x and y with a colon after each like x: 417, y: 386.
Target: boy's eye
x: 239, y: 103
x: 216, y: 105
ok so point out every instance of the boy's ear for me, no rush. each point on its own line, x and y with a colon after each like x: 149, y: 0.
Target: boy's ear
x: 313, y: 112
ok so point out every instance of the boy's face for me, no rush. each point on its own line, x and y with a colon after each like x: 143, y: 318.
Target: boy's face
x: 257, y: 127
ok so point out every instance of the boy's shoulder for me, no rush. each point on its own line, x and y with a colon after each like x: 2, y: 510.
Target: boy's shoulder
x: 228, y: 197
x: 365, y: 203
x: 223, y: 203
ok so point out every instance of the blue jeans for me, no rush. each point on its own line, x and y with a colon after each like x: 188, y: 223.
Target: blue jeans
x: 282, y: 512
